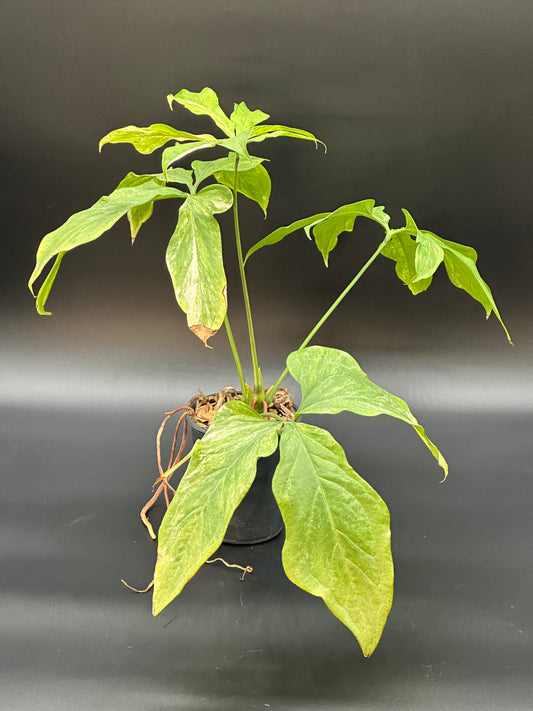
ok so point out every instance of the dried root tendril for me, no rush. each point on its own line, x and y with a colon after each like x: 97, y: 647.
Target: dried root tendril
x: 151, y: 585
x: 162, y: 482
x: 246, y: 569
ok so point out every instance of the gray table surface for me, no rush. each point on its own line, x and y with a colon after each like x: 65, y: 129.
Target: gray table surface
x: 459, y: 635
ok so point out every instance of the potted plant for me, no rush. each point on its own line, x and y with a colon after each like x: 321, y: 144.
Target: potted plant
x: 337, y: 542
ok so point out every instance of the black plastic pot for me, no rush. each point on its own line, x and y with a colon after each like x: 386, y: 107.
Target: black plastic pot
x: 257, y: 518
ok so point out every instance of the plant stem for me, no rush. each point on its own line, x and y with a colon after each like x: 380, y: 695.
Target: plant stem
x: 259, y: 389
x: 236, y: 358
x: 168, y: 473
x: 272, y: 390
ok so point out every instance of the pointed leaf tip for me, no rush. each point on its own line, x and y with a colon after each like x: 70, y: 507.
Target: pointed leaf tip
x: 282, y: 232
x: 205, y: 103
x: 254, y: 183
x: 337, y: 541
x: 326, y: 232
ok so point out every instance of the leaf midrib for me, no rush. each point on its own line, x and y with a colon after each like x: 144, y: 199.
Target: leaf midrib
x: 320, y: 490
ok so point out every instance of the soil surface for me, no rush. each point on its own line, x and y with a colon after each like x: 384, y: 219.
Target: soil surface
x: 205, y: 406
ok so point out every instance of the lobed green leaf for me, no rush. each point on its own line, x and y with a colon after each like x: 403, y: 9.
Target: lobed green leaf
x: 326, y: 232
x: 460, y: 263
x: 147, y: 139
x: 332, y: 382
x: 86, y: 226
x: 220, y: 472
x: 204, y: 103
x: 337, y: 532
x: 417, y: 262
x: 243, y: 119
x: 282, y: 232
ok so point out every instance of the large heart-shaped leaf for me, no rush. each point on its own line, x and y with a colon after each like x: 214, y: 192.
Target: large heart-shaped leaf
x: 194, y: 260
x: 147, y: 139
x: 327, y: 231
x: 88, y: 225
x: 282, y: 232
x: 337, y: 540
x: 220, y: 472
x: 204, y: 103
x: 332, y: 381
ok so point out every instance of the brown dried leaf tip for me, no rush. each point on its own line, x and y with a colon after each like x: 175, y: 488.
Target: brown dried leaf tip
x: 203, y: 333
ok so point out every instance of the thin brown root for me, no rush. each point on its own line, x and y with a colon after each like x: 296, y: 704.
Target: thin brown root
x: 151, y: 585
x: 148, y: 505
x: 174, y: 460
x: 247, y: 569
x: 188, y: 411
x: 163, y: 480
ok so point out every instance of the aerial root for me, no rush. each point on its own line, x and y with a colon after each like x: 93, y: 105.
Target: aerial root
x: 162, y: 482
x: 151, y: 585
x: 247, y: 569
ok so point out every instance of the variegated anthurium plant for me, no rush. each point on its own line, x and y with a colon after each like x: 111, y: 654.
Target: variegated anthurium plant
x: 337, y: 543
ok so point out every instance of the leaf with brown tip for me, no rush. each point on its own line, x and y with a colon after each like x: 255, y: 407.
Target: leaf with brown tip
x: 195, y: 263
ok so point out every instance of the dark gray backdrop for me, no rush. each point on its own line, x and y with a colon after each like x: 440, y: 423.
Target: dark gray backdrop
x: 423, y: 105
